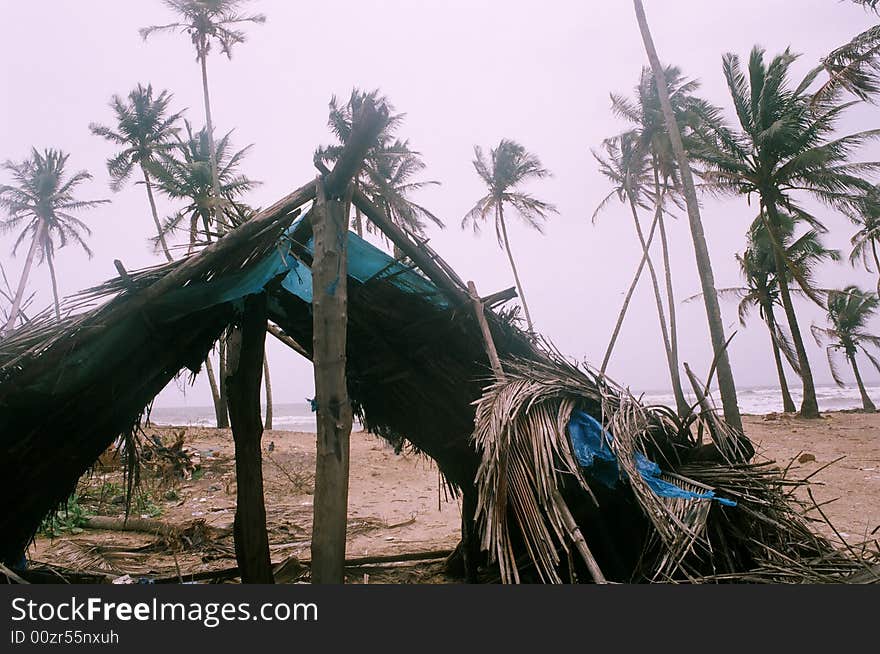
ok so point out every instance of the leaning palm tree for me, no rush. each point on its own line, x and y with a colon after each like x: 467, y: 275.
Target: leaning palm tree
x: 40, y: 203
x: 386, y: 175
x: 848, y: 312
x: 726, y: 385
x: 144, y: 129
x: 508, y: 167
x: 184, y: 174
x: 784, y: 147
x: 208, y: 22
x: 628, y: 166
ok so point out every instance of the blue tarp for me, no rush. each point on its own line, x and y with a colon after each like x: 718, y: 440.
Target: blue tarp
x: 365, y: 262
x: 593, y: 452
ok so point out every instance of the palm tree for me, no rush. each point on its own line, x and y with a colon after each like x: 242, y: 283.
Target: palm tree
x: 848, y: 312
x: 208, y: 22
x: 507, y: 168
x: 866, y: 217
x: 144, y: 129
x: 389, y: 165
x: 41, y: 204
x: 184, y: 174
x: 726, y: 385
x: 784, y: 147
x: 627, y: 166
x: 855, y: 65
x: 758, y: 267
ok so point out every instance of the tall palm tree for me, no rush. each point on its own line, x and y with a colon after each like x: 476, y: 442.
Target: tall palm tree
x: 41, y: 203
x: 848, y: 312
x: 627, y: 166
x: 144, y: 129
x: 784, y: 147
x: 726, y: 385
x: 209, y: 22
x: 184, y: 174
x: 386, y: 176
x: 508, y: 167
x: 866, y: 216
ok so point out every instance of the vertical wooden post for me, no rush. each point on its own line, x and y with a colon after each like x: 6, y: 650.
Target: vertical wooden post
x: 244, y: 368
x: 329, y: 305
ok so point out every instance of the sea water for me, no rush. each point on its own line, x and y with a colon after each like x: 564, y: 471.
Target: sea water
x: 298, y: 416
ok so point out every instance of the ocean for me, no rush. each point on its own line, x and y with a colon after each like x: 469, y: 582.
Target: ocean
x: 298, y: 416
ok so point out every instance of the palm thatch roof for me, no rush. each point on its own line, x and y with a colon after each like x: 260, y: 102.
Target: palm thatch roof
x: 418, y: 374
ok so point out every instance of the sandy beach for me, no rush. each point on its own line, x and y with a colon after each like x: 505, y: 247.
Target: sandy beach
x: 398, y: 505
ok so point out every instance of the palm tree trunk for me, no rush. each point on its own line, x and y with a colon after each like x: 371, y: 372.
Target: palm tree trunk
x: 867, y: 404
x: 726, y: 384
x: 626, y: 300
x: 876, y: 263
x: 681, y: 404
x: 268, y: 384
x: 22, y: 282
x: 809, y: 405
x: 212, y: 148
x: 667, y: 270
x: 159, y: 233
x: 50, y: 260
x: 787, y: 402
x: 219, y: 413
x: 224, y: 401
x: 519, y: 288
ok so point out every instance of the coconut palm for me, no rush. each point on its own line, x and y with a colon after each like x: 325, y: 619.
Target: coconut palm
x: 507, y: 168
x: 184, y: 174
x: 386, y: 175
x: 627, y: 166
x: 784, y: 147
x: 758, y: 268
x: 41, y: 203
x: 726, y: 385
x: 144, y: 129
x: 208, y: 22
x: 866, y: 216
x: 848, y: 313
x: 855, y: 66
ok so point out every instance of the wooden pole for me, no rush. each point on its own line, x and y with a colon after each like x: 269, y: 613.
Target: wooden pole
x: 329, y: 306
x: 246, y: 346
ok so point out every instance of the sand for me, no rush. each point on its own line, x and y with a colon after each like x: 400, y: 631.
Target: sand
x: 398, y: 505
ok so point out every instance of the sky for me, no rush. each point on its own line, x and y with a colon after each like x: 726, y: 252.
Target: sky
x: 465, y: 73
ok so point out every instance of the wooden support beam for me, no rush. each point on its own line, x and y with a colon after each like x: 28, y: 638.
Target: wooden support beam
x: 418, y: 255
x: 245, y: 369
x: 329, y: 307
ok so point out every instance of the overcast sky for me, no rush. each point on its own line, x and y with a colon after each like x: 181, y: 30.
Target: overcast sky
x: 465, y: 72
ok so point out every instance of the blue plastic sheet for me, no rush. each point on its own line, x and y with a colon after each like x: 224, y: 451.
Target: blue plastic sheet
x: 593, y: 453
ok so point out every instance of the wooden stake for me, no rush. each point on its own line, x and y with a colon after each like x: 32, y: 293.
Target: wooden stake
x: 246, y: 346
x: 329, y: 305
x: 488, y: 342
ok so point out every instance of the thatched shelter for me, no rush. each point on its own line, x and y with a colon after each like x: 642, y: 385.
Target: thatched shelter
x: 419, y: 375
